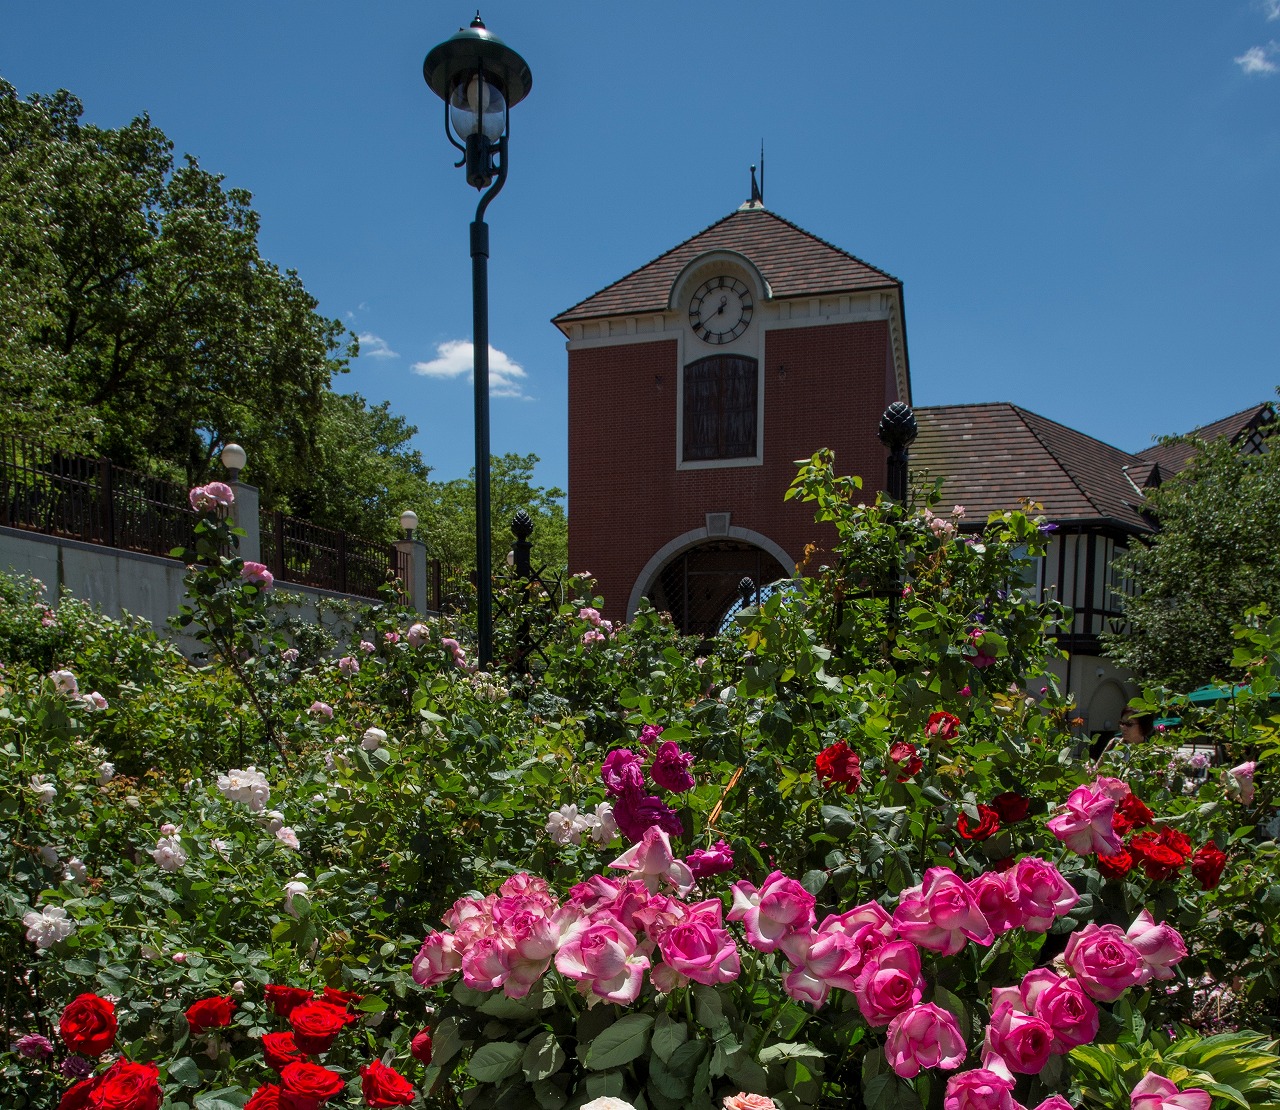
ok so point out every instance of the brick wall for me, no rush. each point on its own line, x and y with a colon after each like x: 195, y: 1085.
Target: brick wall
x: 823, y: 387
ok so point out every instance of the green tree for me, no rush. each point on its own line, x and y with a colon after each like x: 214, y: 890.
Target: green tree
x: 1217, y: 554
x: 450, y: 519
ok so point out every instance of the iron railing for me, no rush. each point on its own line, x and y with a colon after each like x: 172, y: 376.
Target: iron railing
x: 92, y: 500
x: 308, y: 555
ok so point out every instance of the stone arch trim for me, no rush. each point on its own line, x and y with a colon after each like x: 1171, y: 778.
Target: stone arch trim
x: 693, y: 538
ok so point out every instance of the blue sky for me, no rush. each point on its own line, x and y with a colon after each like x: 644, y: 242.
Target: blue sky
x: 1081, y: 198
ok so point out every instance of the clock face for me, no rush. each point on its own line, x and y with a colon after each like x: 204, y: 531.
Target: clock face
x: 720, y: 310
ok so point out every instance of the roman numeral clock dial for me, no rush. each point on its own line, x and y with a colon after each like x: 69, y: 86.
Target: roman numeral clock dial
x: 720, y: 310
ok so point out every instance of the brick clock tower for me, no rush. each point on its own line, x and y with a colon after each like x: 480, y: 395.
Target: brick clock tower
x: 695, y: 382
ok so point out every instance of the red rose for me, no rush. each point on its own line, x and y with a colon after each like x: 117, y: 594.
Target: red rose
x: 305, y: 1080
x: 1116, y: 866
x: 127, y: 1086
x: 383, y: 1086
x: 340, y: 998
x: 1158, y: 859
x: 945, y: 726
x: 1207, y: 865
x: 316, y: 1024
x: 266, y: 1097
x: 280, y: 1049
x: 1003, y: 865
x: 839, y: 764
x: 88, y: 1025
x: 1177, y: 841
x: 1011, y: 806
x: 78, y: 1097
x: 210, y: 1013
x: 1131, y: 814
x: 988, y: 824
x: 283, y: 999
x: 420, y: 1047
x: 904, y: 755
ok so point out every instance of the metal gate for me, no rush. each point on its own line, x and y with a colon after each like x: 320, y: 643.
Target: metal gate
x: 699, y: 586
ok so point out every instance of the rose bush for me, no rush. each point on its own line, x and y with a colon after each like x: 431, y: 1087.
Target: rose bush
x: 873, y: 804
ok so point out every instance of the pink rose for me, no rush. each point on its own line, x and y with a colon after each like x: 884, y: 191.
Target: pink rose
x: 1042, y: 893
x: 1067, y: 1010
x: 746, y: 1101
x: 1084, y: 825
x: 997, y: 896
x: 1160, y: 945
x: 699, y: 947
x: 256, y: 574
x: 670, y: 768
x: 437, y: 960
x: 1021, y: 1040
x: 601, y: 953
x: 1239, y: 782
x: 1055, y: 1102
x: 1154, y: 1092
x: 622, y: 772
x: 1104, y: 961
x: 925, y: 1036
x: 486, y: 963
x: 705, y: 862
x: 1115, y: 789
x: 530, y: 938
x: 980, y: 1089
x: 651, y: 862
x: 779, y: 909
x: 349, y: 666
x: 941, y: 913
x: 417, y: 635
x: 890, y: 982
x: 839, y: 949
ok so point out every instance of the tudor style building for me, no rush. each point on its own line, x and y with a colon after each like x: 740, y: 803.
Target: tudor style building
x: 695, y: 382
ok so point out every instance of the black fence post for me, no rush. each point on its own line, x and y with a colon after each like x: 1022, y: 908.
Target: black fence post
x: 747, y: 591
x: 897, y: 432
x: 522, y: 529
x: 106, y: 496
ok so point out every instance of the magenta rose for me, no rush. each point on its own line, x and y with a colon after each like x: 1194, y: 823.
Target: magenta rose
x: 1069, y: 1012
x: 941, y: 913
x: 1104, y: 961
x: 634, y: 813
x: 601, y: 953
x: 980, y: 1089
x: 1042, y: 893
x: 1021, y: 1040
x: 997, y: 896
x: 699, y: 947
x: 705, y: 862
x: 1155, y: 1092
x: 890, y: 982
x: 775, y: 912
x: 1160, y: 945
x: 670, y: 768
x: 925, y: 1036
x: 1054, y: 1102
x: 1085, y: 822
x: 622, y: 772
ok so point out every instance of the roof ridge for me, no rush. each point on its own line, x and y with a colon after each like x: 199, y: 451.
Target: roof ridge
x: 645, y: 265
x: 1022, y: 415
x: 824, y: 242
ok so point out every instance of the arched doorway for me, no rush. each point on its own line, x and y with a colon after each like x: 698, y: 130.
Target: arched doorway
x: 699, y: 585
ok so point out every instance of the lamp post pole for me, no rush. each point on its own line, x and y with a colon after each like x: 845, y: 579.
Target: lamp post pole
x: 480, y: 78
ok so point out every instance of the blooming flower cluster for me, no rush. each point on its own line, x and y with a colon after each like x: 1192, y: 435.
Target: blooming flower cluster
x: 1097, y: 818
x: 600, y: 629
x: 567, y: 826
x: 256, y: 574
x: 248, y: 787
x: 213, y: 498
x: 47, y: 926
x: 634, y: 809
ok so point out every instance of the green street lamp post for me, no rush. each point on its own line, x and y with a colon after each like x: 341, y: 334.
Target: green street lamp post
x: 480, y: 78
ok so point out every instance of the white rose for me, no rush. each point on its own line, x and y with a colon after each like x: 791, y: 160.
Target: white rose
x: 76, y: 871
x: 106, y: 772
x: 373, y: 739
x: 291, y: 891
x: 562, y: 825
x: 48, y: 926
x: 605, y: 828
x: 288, y: 838
x: 168, y: 853
x: 64, y: 682
x: 45, y: 791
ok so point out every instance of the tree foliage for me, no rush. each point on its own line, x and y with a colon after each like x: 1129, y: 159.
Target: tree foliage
x: 1216, y: 555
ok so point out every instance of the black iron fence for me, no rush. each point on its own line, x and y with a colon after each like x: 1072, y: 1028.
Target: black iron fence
x: 95, y: 501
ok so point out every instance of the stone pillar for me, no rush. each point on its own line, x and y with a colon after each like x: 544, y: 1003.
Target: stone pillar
x: 416, y: 587
x: 244, y: 514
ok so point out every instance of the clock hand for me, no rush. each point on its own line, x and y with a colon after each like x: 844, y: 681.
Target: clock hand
x: 724, y: 300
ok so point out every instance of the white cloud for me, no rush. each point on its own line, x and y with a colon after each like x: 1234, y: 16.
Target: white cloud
x: 1272, y: 8
x: 454, y: 358
x: 1257, y: 59
x: 374, y: 346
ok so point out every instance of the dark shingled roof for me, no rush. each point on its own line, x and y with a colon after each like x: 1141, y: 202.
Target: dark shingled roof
x: 1175, y: 454
x: 793, y: 262
x: 992, y: 456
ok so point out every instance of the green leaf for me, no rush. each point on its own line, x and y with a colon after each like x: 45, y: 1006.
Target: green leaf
x: 83, y: 968
x: 445, y: 1041
x: 185, y: 1071
x: 495, y: 1061
x: 621, y: 1043
x: 549, y: 1096
x: 543, y: 1057
x: 227, y: 1098
x: 668, y: 1035
x: 888, y: 1092
x: 792, y: 1050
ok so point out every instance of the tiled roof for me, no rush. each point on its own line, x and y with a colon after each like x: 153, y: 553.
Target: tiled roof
x: 793, y: 262
x: 992, y: 456
x: 1173, y: 455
